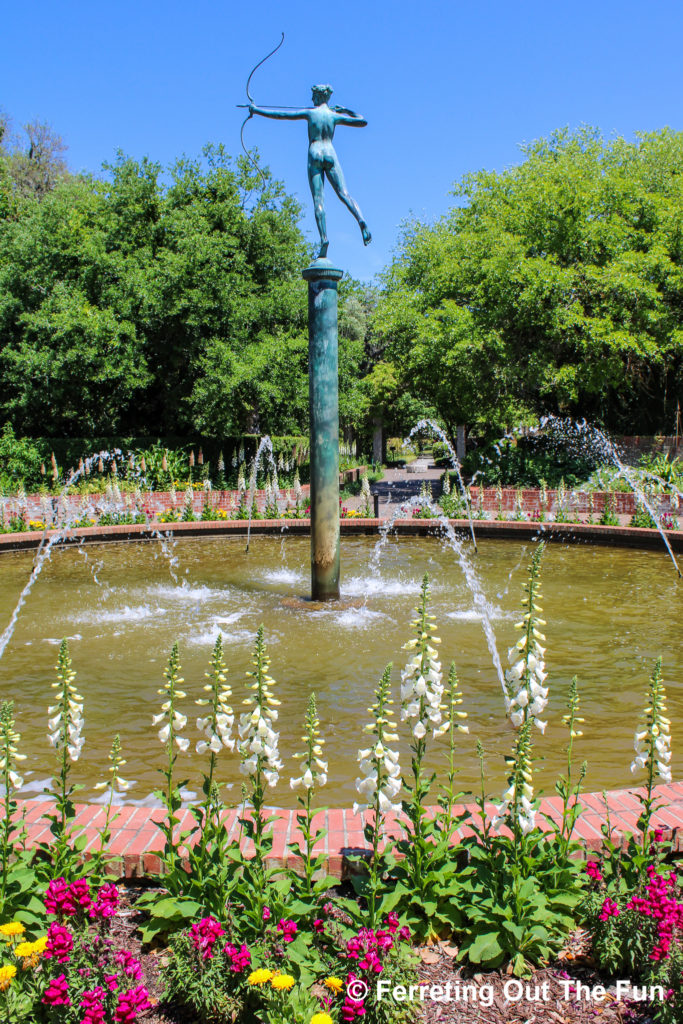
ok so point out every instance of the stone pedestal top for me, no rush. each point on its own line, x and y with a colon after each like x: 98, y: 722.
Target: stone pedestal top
x: 322, y: 269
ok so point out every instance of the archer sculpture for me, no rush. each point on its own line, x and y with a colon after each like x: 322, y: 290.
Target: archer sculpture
x: 322, y: 158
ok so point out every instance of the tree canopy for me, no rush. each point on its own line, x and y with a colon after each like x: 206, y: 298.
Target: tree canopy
x: 553, y: 287
x: 170, y: 301
x: 146, y: 301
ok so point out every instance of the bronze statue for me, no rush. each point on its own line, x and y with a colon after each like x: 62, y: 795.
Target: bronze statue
x: 322, y: 158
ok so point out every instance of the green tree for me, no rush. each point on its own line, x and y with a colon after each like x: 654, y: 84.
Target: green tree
x: 131, y: 305
x: 555, y: 286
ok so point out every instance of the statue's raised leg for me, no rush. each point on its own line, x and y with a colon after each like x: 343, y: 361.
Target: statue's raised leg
x: 336, y: 177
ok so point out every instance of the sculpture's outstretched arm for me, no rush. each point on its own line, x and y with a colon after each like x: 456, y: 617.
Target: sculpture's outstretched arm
x: 279, y: 115
x: 349, y: 117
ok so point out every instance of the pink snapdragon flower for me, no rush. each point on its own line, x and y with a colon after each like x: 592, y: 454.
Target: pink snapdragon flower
x: 660, y: 904
x: 79, y: 890
x: 205, y: 934
x: 106, y: 903
x: 352, y: 1008
x: 56, y: 993
x: 593, y: 871
x: 131, y: 1003
x: 609, y: 909
x: 59, y: 943
x: 92, y: 1003
x: 288, y: 929
x: 131, y: 966
x: 239, y: 958
x: 58, y: 899
x: 391, y: 922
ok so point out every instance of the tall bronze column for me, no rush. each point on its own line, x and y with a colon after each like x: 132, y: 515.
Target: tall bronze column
x: 323, y: 374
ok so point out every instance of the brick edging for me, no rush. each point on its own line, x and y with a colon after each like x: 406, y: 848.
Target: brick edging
x: 134, y: 835
x: 621, y: 536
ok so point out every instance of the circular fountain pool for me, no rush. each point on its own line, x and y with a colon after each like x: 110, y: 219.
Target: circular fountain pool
x: 610, y: 613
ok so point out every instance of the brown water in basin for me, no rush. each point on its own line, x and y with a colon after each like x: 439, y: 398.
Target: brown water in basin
x: 610, y: 613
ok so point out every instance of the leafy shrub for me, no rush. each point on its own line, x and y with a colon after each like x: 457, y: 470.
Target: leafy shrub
x: 440, y: 454
x: 20, y: 461
x: 642, y: 518
x: 527, y: 461
x: 608, y: 516
x: 667, y: 469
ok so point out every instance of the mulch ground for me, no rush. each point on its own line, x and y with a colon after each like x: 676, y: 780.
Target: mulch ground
x: 558, y: 994
x: 549, y: 996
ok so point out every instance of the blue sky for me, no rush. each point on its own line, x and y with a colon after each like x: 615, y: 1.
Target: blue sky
x: 447, y: 87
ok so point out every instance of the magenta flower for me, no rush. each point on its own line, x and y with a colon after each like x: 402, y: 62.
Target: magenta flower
x: 609, y: 909
x: 58, y: 899
x: 239, y: 958
x: 132, y: 968
x: 266, y: 913
x: 80, y: 894
x: 130, y: 1004
x: 391, y: 922
x: 593, y: 871
x: 92, y: 1003
x: 59, y: 943
x: 205, y: 934
x: 660, y: 904
x: 352, y: 1008
x: 56, y: 993
x: 288, y: 929
x: 370, y: 962
x: 106, y: 903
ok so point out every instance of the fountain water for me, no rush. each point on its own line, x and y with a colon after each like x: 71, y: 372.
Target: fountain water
x: 435, y: 429
x: 265, y: 444
x: 59, y: 513
x: 583, y: 438
x: 482, y: 606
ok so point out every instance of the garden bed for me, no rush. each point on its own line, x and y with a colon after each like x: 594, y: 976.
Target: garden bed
x: 566, y: 992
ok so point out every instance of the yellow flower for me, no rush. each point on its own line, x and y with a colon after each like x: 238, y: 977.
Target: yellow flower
x: 282, y: 982
x: 12, y: 928
x: 260, y: 976
x: 335, y: 985
x: 6, y: 975
x: 321, y: 1018
x: 30, y: 952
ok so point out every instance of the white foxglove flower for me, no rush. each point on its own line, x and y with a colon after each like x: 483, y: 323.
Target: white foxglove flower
x: 217, y: 725
x: 258, y: 742
x: 66, y: 721
x: 652, y: 741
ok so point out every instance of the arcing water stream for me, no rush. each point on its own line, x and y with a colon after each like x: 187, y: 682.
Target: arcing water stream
x: 433, y: 428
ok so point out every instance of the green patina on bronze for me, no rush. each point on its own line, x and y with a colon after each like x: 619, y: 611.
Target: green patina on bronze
x: 323, y: 393
x: 323, y: 161
x: 323, y: 362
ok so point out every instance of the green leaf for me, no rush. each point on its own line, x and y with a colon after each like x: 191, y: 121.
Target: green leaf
x: 484, y: 949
